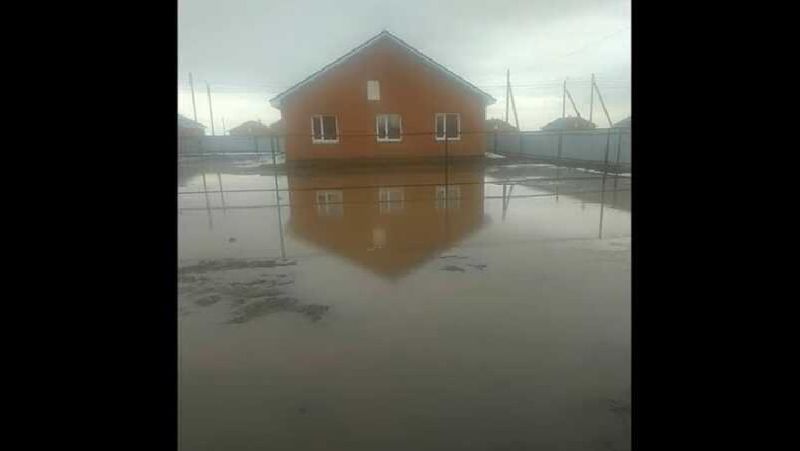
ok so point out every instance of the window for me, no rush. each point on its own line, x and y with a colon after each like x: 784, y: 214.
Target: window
x: 448, y: 124
x: 389, y: 127
x: 329, y: 203
x: 324, y: 129
x: 390, y: 200
x: 448, y: 196
x: 373, y: 90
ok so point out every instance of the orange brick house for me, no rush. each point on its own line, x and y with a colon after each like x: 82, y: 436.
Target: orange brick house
x: 383, y: 99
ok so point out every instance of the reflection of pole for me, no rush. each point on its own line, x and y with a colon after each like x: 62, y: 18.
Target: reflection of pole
x: 446, y: 169
x: 208, y: 203
x: 602, y: 205
x: 277, y: 195
x: 616, y: 168
x: 504, y: 202
x: 221, y: 193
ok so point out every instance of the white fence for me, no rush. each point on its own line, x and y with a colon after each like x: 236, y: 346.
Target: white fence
x: 583, y: 145
x: 228, y: 145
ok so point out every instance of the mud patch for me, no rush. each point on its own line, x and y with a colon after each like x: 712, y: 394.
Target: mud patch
x: 453, y: 268
x: 248, y: 295
x: 229, y: 264
x: 459, y: 257
x: 208, y: 300
x: 269, y: 306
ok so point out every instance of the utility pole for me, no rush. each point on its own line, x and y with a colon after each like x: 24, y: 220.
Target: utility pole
x: 223, y: 126
x: 564, y: 100
x: 603, y: 104
x: 508, y: 90
x: 574, y: 107
x: 513, y: 106
x: 191, y: 86
x: 591, y: 99
x: 210, y: 110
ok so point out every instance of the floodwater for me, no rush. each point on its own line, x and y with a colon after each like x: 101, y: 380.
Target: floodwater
x: 477, y: 308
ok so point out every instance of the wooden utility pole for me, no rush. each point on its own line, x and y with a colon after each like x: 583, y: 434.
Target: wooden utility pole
x: 603, y: 104
x: 591, y: 99
x: 508, y: 90
x: 513, y: 106
x: 191, y: 86
x: 223, y: 126
x: 564, y: 100
x: 210, y: 110
x: 574, y: 107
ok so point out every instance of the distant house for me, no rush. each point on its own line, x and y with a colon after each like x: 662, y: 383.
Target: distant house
x: 625, y: 123
x: 499, y: 125
x: 188, y: 127
x: 277, y: 127
x: 569, y: 123
x: 250, y: 128
x: 382, y: 99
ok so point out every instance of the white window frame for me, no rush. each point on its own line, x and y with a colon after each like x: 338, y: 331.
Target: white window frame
x: 444, y: 123
x: 375, y: 91
x: 333, y: 203
x: 386, y: 128
x: 322, y: 126
x: 389, y: 205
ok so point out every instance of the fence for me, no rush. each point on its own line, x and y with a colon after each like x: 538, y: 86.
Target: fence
x: 228, y: 145
x: 610, y: 146
x: 577, y: 145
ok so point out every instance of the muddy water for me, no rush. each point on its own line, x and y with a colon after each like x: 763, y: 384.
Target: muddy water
x: 404, y: 309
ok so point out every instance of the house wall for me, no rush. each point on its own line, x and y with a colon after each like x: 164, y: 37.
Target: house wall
x: 407, y: 87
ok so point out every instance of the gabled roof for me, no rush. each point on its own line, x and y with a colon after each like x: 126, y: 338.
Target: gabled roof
x: 185, y: 122
x: 276, y: 101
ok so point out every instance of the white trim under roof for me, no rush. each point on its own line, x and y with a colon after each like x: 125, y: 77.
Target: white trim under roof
x: 276, y: 101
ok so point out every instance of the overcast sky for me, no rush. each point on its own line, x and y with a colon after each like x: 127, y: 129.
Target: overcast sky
x: 250, y: 50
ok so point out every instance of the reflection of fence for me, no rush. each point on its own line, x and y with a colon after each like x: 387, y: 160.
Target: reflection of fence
x: 228, y: 145
x: 577, y: 145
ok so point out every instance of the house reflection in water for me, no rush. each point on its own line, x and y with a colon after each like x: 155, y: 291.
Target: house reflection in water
x: 388, y: 220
